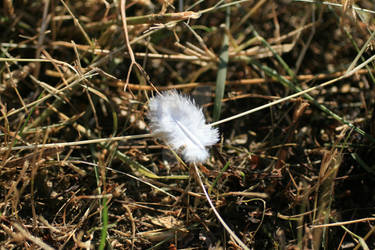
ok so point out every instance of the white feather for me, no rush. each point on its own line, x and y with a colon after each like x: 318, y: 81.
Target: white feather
x: 180, y: 122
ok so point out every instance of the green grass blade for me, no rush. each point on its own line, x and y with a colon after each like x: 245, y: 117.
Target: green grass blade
x: 222, y: 171
x: 103, y: 235
x: 222, y: 71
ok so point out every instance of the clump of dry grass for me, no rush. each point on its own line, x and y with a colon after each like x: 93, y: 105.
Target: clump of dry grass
x: 79, y: 170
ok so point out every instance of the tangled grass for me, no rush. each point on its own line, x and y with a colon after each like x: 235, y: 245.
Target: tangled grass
x: 289, y: 84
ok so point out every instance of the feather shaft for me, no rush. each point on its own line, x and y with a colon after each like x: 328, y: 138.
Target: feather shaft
x: 189, y: 135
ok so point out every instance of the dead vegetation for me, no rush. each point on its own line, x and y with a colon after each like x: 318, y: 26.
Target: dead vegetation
x: 78, y: 170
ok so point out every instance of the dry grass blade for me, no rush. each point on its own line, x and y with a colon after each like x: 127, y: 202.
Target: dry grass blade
x: 328, y: 172
x: 77, y: 22
x: 342, y: 223
x: 162, y: 18
x: 337, y: 5
x: 77, y: 143
x: 127, y: 42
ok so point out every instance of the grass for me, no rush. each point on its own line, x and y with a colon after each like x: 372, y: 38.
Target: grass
x: 292, y: 83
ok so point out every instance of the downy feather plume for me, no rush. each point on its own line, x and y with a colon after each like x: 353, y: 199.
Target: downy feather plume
x: 180, y: 122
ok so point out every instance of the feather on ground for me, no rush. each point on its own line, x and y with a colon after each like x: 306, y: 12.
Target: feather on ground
x: 180, y: 122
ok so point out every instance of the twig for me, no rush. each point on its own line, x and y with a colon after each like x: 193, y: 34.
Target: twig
x: 32, y: 238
